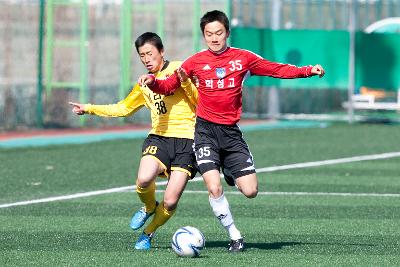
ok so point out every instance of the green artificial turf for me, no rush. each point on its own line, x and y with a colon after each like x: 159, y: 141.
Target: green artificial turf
x: 305, y: 222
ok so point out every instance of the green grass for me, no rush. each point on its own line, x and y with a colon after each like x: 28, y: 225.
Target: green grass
x: 290, y: 230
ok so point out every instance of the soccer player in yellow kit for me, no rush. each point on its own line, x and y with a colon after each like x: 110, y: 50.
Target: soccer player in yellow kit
x: 167, y: 151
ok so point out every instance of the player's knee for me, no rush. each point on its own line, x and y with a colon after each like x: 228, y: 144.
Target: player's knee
x: 248, y: 185
x: 215, y: 190
x: 250, y: 192
x: 170, y: 203
x: 143, y: 182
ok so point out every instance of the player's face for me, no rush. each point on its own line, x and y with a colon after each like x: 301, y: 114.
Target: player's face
x: 215, y: 35
x: 151, y: 58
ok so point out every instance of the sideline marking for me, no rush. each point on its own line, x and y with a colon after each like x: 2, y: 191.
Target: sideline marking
x: 267, y: 169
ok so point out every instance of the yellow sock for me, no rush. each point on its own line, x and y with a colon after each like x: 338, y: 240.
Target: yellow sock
x: 161, y: 216
x: 148, y: 196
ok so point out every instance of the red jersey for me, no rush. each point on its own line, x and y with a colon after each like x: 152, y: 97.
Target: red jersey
x: 221, y: 77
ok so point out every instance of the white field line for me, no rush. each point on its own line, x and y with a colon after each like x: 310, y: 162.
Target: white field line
x: 330, y: 162
x: 267, y: 169
x: 298, y: 193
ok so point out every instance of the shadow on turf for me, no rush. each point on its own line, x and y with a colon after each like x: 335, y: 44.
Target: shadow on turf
x: 280, y: 245
x: 266, y: 246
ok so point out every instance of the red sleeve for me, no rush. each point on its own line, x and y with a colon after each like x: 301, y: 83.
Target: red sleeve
x: 263, y: 67
x: 165, y: 86
x: 188, y: 66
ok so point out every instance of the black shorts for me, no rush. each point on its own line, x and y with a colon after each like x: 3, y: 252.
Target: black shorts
x: 218, y: 145
x: 172, y: 153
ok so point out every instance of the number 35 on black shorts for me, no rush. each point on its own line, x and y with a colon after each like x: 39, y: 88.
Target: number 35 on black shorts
x: 218, y: 145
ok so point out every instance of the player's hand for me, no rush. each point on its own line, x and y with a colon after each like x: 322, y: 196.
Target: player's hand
x: 77, y: 108
x: 195, y: 81
x: 318, y: 70
x: 182, y: 75
x: 146, y: 79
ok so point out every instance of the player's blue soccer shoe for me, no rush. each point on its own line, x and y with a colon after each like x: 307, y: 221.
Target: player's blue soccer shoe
x: 140, y: 217
x: 143, y: 242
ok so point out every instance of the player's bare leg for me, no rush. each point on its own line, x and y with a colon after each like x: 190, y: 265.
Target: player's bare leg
x: 165, y: 210
x: 149, y: 168
x: 220, y: 207
x: 176, y: 184
x: 248, y: 185
x: 167, y: 207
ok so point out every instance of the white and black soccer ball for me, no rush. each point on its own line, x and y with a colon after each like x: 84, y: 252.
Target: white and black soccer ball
x: 188, y: 241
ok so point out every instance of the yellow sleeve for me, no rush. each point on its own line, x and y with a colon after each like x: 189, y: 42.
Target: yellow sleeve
x: 190, y: 91
x: 133, y: 102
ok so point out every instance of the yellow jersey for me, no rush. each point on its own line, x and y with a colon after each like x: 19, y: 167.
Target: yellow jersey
x: 171, y: 115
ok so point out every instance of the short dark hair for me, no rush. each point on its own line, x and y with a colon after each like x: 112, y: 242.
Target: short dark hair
x: 149, y: 37
x: 212, y: 16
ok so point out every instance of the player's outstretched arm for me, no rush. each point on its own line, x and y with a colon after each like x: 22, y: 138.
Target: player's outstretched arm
x: 318, y: 70
x: 133, y: 102
x: 77, y: 108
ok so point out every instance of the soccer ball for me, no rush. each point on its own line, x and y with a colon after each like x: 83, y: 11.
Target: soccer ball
x: 188, y: 241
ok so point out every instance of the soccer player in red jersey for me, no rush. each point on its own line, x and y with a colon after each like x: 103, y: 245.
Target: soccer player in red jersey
x: 220, y: 71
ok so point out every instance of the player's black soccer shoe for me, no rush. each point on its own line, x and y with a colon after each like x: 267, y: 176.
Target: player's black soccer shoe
x: 236, y: 245
x: 228, y: 177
